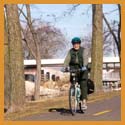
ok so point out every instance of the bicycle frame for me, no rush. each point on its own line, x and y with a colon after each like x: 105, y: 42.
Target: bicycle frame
x: 77, y: 92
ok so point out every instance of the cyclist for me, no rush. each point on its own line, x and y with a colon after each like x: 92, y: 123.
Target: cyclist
x: 77, y: 58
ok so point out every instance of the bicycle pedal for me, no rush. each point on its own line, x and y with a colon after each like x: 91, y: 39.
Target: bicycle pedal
x: 81, y: 111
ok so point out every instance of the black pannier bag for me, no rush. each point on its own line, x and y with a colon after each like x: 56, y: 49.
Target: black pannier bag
x: 91, y: 86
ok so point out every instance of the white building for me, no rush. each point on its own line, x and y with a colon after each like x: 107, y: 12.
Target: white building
x: 111, y: 67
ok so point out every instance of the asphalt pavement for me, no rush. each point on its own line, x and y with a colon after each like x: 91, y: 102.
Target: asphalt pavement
x: 102, y: 110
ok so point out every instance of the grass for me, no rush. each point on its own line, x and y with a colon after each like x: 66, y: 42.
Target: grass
x: 38, y: 107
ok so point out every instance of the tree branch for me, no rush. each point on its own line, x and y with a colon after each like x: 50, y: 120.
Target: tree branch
x: 26, y: 41
x: 119, y: 28
x: 113, y: 34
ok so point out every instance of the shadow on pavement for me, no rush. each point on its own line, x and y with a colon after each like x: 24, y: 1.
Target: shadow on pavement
x: 64, y: 111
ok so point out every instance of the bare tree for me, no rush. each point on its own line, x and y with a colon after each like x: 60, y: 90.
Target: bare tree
x: 6, y: 68
x: 52, y: 41
x: 116, y: 39
x: 97, y: 46
x: 109, y: 46
x: 38, y: 57
x: 116, y: 36
x: 37, y: 40
x: 17, y: 84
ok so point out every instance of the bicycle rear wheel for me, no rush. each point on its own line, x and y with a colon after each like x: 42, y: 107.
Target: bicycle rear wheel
x: 72, y: 100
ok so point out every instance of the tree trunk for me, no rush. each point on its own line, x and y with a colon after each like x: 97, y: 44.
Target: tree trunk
x: 38, y: 57
x: 6, y: 69
x: 97, y: 46
x: 119, y: 32
x: 17, y: 94
x: 38, y: 75
x: 119, y: 37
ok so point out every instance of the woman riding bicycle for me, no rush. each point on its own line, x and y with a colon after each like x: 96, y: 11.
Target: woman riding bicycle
x: 77, y: 58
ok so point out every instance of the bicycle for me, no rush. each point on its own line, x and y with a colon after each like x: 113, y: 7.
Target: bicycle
x: 75, y: 92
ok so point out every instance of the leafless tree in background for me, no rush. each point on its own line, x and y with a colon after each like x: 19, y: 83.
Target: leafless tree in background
x: 116, y: 33
x: 42, y: 42
x: 52, y: 41
x: 36, y: 54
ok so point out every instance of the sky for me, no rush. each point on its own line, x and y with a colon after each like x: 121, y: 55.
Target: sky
x: 77, y: 24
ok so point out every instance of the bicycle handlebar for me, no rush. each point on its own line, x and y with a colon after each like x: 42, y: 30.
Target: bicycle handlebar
x: 75, y: 70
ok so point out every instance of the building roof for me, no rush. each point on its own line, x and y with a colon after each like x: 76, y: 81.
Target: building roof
x: 61, y: 61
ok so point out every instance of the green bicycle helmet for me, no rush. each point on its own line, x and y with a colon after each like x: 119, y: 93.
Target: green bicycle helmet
x: 76, y: 40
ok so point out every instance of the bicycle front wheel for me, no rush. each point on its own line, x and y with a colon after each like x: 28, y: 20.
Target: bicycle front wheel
x: 72, y: 100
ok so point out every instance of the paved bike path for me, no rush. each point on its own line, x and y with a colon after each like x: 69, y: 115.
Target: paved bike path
x: 104, y: 110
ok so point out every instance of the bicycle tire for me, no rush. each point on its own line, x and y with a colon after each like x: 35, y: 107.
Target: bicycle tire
x: 72, y: 100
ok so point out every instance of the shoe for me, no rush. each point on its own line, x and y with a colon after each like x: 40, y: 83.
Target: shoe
x: 84, y: 105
